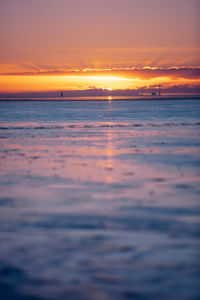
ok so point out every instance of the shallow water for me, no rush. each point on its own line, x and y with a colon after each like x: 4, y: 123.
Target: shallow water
x: 99, y: 200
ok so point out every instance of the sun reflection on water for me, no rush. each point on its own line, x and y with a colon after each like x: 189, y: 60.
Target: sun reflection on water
x: 109, y: 153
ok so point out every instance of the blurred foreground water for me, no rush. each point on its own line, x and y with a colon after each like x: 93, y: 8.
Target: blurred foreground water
x: 99, y: 200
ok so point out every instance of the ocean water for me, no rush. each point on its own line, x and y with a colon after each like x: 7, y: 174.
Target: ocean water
x: 99, y: 199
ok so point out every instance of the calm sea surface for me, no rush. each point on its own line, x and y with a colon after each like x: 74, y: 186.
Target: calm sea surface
x: 100, y: 200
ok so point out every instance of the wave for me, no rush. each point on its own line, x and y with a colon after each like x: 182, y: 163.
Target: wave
x: 96, y: 125
x: 31, y: 127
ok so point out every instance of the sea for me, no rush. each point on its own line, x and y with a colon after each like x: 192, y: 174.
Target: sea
x: 100, y: 199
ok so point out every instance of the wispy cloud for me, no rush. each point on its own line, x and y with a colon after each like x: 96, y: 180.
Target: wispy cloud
x: 131, y: 72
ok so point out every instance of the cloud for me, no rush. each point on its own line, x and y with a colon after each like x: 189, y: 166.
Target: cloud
x: 186, y: 73
x: 175, y: 89
x: 141, y: 73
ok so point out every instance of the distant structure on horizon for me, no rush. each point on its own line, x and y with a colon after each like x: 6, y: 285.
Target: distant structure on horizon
x: 159, y: 90
x: 61, y: 94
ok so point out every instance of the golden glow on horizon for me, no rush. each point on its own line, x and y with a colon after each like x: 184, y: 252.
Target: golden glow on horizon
x: 37, y: 83
x: 102, y: 78
x: 53, y: 83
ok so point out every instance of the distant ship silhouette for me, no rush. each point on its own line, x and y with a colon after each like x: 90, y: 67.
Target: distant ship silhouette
x: 61, y: 94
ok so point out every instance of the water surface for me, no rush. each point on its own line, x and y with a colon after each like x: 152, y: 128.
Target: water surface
x: 99, y: 199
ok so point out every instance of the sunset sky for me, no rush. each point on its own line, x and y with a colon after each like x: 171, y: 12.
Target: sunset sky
x: 54, y: 45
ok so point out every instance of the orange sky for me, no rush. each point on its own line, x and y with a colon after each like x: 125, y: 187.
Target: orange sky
x: 75, y: 44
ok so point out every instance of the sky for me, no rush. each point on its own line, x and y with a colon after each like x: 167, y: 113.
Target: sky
x: 53, y: 45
